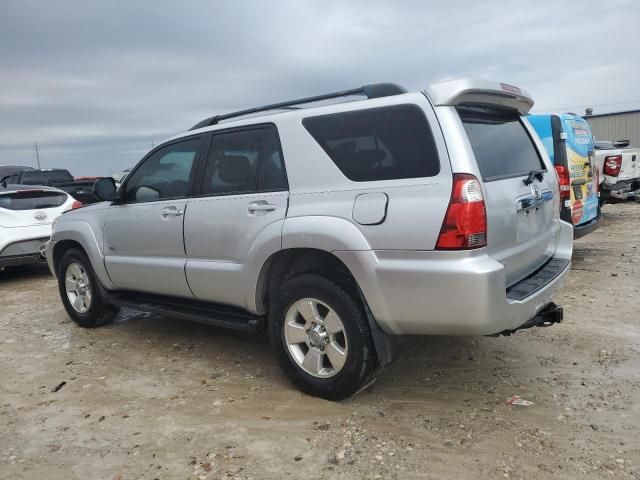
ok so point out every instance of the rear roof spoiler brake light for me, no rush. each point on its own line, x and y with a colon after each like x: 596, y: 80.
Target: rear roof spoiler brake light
x: 480, y: 92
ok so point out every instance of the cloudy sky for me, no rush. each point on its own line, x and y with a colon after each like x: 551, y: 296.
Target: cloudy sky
x: 95, y: 82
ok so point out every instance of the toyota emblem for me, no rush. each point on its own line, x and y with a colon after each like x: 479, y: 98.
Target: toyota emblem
x: 535, y: 190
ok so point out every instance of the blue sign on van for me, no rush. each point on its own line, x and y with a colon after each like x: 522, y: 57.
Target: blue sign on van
x: 568, y: 141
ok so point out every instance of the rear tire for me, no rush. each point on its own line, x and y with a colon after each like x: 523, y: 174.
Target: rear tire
x: 80, y: 292
x: 329, y: 355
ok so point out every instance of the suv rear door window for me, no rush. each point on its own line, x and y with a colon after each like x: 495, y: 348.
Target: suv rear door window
x: 244, y: 161
x: 271, y: 174
x: 500, y: 143
x: 385, y: 143
x: 232, y: 164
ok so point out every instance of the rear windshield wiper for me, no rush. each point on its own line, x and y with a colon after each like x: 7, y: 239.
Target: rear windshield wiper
x: 533, y: 174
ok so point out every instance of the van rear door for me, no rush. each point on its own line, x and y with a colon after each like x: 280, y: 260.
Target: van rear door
x: 578, y: 144
x: 519, y: 189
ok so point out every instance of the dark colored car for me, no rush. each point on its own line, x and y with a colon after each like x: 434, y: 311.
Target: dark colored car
x: 8, y: 170
x: 54, y: 177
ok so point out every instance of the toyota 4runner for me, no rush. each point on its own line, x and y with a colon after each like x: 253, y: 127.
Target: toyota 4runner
x: 332, y: 224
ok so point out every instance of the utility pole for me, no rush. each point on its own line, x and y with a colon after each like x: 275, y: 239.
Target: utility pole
x: 35, y: 147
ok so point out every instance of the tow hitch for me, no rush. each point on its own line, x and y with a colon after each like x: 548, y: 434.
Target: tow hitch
x: 549, y: 315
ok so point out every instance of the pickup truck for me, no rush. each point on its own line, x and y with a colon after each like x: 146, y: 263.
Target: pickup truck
x: 54, y: 177
x: 618, y: 169
x: 8, y: 170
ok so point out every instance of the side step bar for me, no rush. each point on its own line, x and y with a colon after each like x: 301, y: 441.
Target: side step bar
x: 549, y: 315
x: 191, y: 310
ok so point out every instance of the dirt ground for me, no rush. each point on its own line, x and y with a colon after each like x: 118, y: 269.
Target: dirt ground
x: 150, y: 397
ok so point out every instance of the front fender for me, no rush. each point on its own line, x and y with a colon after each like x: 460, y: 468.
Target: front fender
x: 81, y: 231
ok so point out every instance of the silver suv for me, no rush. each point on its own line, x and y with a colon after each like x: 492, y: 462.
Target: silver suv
x: 332, y: 224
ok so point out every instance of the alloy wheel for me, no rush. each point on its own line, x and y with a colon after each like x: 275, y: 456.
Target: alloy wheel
x: 315, y: 338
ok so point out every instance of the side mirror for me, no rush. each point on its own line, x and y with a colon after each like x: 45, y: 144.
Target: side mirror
x: 105, y: 189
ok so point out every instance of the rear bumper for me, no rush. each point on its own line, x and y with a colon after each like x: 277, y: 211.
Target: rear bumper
x: 19, y: 260
x: 619, y: 185
x: 452, y: 293
x: 586, y: 228
x: 23, y: 252
x: 622, y: 190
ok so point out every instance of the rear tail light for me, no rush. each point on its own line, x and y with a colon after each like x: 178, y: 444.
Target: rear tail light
x: 612, y: 165
x: 564, y: 181
x: 76, y: 204
x: 465, y: 224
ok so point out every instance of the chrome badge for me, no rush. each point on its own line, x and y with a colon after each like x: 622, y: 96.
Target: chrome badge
x: 40, y: 215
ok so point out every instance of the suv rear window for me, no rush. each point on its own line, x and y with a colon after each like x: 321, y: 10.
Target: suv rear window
x: 32, y: 200
x: 500, y: 143
x: 377, y: 144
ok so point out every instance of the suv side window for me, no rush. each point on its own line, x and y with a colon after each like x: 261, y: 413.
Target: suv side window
x: 272, y: 175
x: 384, y: 143
x: 244, y: 161
x: 163, y: 175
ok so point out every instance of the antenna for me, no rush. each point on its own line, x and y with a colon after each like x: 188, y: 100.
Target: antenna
x: 152, y: 144
x: 35, y: 147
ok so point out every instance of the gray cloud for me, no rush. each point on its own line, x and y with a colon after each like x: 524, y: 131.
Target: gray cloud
x: 95, y: 82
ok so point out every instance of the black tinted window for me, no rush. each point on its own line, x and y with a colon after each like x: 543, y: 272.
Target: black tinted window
x: 165, y: 174
x: 378, y: 144
x: 500, y: 143
x: 233, y: 160
x: 244, y: 161
x: 43, y: 178
x: 32, y: 200
x: 272, y: 175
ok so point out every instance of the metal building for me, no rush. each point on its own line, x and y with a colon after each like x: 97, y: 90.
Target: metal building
x: 616, y: 126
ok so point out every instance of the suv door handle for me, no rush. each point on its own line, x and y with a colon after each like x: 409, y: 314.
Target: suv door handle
x: 261, y: 207
x: 171, y: 212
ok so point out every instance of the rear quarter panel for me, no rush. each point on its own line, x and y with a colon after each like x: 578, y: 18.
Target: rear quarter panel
x: 416, y: 206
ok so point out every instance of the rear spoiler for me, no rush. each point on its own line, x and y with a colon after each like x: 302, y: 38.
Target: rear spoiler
x: 480, y: 93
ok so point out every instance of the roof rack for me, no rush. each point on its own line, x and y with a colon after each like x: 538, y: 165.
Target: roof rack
x: 375, y: 90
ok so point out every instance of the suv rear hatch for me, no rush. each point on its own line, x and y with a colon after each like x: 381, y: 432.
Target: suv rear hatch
x: 24, y: 208
x: 519, y: 190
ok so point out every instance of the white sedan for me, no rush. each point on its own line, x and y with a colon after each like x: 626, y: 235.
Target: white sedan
x: 26, y: 214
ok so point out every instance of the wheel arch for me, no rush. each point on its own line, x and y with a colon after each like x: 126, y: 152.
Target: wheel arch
x: 61, y: 247
x: 288, y: 263
x: 81, y: 236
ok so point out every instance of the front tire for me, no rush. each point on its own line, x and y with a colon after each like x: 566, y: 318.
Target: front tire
x: 321, y: 338
x: 80, y: 293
